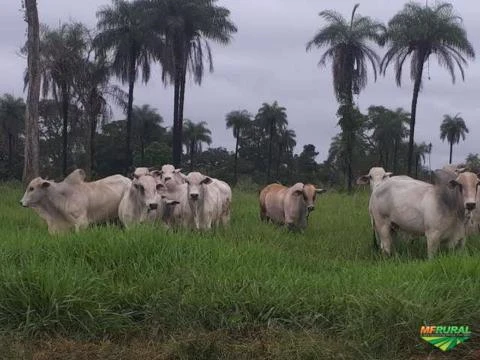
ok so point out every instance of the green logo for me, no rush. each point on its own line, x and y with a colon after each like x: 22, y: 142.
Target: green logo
x: 445, y: 337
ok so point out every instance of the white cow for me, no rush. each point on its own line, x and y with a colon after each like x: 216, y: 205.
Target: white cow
x: 74, y: 203
x: 141, y: 203
x: 206, y: 200
x: 181, y: 214
x: 439, y: 211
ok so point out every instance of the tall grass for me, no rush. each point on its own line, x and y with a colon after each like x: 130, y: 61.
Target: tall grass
x: 326, y: 283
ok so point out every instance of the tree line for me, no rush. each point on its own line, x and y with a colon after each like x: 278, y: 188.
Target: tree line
x: 74, y: 67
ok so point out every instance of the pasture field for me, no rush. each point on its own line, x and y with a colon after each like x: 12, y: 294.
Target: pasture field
x: 253, y: 291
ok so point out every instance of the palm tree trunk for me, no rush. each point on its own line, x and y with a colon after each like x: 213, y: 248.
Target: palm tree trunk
x: 177, y: 124
x: 416, y: 166
x: 451, y: 150
x: 181, y: 101
x: 131, y: 84
x: 416, y: 91
x: 65, y: 105
x: 32, y: 148
x: 235, y: 178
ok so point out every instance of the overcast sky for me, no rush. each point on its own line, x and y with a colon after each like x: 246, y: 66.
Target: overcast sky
x: 267, y: 61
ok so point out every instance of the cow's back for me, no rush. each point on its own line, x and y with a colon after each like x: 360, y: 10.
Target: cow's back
x: 104, y: 197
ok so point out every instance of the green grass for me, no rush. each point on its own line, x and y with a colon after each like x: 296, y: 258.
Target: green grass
x: 319, y: 294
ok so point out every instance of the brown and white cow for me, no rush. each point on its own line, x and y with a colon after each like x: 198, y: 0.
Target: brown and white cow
x: 74, y: 203
x: 288, y: 205
x: 439, y: 211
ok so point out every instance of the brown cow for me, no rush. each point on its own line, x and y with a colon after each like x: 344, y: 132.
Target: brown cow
x: 290, y: 206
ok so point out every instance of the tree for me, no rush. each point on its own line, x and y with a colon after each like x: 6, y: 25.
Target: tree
x: 61, y: 52
x: 272, y: 120
x: 32, y: 149
x: 125, y: 33
x: 349, y: 52
x: 472, y: 162
x: 237, y: 121
x: 146, y: 127
x: 420, y: 151
x: 12, y: 122
x: 389, y: 130
x: 93, y: 89
x: 421, y: 31
x: 453, y: 128
x: 194, y: 135
x: 187, y: 26
x: 286, y: 144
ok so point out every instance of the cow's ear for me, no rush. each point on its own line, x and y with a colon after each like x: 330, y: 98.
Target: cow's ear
x: 207, y: 180
x: 176, y: 171
x: 453, y: 183
x: 160, y: 186
x: 172, y: 202
x: 45, y: 184
x: 156, y: 173
x: 387, y: 175
x: 320, y: 191
x: 298, y: 192
x: 363, y: 180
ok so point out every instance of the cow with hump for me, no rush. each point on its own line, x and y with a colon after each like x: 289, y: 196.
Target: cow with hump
x: 74, y: 203
x: 439, y: 211
x: 288, y: 205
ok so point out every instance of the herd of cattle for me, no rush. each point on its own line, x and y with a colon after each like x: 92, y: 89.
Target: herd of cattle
x: 442, y: 211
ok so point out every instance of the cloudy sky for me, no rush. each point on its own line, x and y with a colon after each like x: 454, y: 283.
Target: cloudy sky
x: 267, y: 61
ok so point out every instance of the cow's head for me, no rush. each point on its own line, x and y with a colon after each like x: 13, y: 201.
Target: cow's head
x: 36, y: 191
x: 169, y: 173
x: 309, y: 193
x: 467, y: 183
x: 374, y: 177
x: 145, y: 189
x: 140, y: 171
x: 196, y: 185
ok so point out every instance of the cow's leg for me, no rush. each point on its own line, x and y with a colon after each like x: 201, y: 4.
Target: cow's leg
x: 384, y: 230
x: 433, y: 242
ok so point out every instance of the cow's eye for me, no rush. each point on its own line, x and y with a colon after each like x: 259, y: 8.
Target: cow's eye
x: 30, y: 188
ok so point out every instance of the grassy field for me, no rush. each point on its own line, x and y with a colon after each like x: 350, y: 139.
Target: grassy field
x: 251, y: 291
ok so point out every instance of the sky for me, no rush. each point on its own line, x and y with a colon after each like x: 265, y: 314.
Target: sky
x: 267, y: 61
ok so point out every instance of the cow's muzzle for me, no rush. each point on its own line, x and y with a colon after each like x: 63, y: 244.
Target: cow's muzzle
x: 153, y: 206
x: 310, y: 208
x: 470, y: 206
x: 194, y: 196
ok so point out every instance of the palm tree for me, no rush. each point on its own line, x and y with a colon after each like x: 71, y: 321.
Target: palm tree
x: 349, y: 52
x: 286, y: 144
x: 145, y: 121
x: 12, y: 113
x: 453, y: 128
x: 125, y: 33
x: 187, y: 25
x: 237, y: 121
x: 194, y: 135
x: 273, y: 120
x: 420, y: 31
x: 31, y: 167
x: 61, y: 51
x: 93, y: 88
